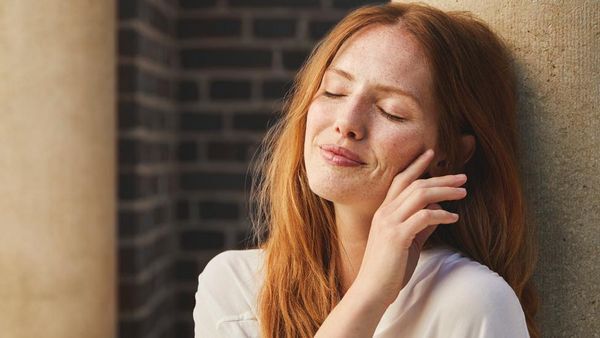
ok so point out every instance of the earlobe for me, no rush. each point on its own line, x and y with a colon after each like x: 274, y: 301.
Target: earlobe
x: 440, y: 164
x: 468, y: 147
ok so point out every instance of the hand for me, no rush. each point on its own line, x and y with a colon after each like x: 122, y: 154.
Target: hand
x: 406, y: 218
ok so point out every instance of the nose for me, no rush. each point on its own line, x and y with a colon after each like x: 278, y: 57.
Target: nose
x: 348, y: 132
x: 349, y: 123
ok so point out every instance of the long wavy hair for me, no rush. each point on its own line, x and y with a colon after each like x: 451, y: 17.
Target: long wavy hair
x: 475, y: 93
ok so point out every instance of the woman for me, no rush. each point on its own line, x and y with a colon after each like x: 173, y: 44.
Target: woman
x: 389, y: 202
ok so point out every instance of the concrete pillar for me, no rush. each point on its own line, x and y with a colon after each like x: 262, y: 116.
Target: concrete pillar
x: 556, y: 45
x: 57, y: 169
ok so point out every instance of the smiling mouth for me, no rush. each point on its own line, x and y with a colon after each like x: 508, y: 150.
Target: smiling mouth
x: 338, y: 160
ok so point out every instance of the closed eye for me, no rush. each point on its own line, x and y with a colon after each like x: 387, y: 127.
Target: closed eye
x: 328, y: 94
x: 390, y: 116
x: 385, y: 114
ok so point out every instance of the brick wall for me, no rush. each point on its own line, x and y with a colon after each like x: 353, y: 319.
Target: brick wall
x: 200, y: 81
x: 147, y: 117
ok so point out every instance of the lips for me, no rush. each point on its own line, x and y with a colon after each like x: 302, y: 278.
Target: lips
x: 343, y: 152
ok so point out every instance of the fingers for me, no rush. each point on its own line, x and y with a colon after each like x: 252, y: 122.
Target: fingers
x: 422, y: 224
x: 408, y: 175
x: 441, y: 181
x: 422, y: 197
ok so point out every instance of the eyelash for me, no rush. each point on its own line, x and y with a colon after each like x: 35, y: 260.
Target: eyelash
x: 385, y: 114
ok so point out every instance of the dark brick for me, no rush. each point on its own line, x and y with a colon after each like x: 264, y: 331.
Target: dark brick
x: 319, y: 28
x: 130, y: 151
x: 132, y: 186
x: 195, y: 4
x: 187, y: 151
x: 347, y: 4
x: 211, y: 180
x: 127, y: 78
x: 135, y: 115
x: 187, y: 91
x: 186, y: 270
x: 154, y: 84
x: 201, y: 240
x: 275, y: 28
x: 161, y: 212
x: 128, y: 42
x: 129, y: 186
x: 146, y: 12
x: 128, y: 116
x: 134, y: 295
x: 209, y: 28
x: 173, y: 183
x: 153, y: 152
x: 228, y: 58
x: 134, y: 44
x: 293, y: 59
x: 183, y: 328
x: 134, y: 259
x: 133, y: 79
x: 228, y: 151
x: 128, y: 9
x: 183, y: 210
x: 147, y: 326
x: 230, y: 89
x: 156, y: 18
x: 275, y: 3
x: 218, y: 210
x: 200, y: 121
x: 186, y: 299
x: 134, y: 222
x: 166, y: 152
x: 276, y: 89
x: 254, y: 121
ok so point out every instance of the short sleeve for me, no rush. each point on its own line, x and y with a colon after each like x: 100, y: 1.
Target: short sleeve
x: 486, y: 307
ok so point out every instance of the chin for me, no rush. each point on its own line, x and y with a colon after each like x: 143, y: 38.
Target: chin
x: 340, y: 190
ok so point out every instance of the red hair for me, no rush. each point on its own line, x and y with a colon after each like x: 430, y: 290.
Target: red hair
x: 475, y: 93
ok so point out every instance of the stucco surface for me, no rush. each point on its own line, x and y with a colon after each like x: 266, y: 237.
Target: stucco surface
x: 57, y: 169
x: 556, y: 48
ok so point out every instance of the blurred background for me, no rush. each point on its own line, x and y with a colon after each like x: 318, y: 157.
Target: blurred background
x: 127, y: 129
x: 199, y: 84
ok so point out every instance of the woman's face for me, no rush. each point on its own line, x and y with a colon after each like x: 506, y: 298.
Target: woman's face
x: 384, y: 113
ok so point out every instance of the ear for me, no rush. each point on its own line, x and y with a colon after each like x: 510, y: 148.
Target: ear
x: 438, y: 164
x: 468, y: 147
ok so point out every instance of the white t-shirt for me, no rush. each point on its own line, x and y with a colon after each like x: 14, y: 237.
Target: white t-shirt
x: 449, y: 295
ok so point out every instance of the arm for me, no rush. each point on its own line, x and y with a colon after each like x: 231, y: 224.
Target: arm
x: 355, y: 316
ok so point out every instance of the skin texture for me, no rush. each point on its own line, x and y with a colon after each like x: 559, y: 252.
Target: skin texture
x: 385, y: 209
x: 355, y: 121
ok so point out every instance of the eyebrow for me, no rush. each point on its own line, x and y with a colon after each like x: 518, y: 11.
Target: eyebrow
x: 379, y: 87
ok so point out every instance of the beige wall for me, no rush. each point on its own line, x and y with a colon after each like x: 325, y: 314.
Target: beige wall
x: 57, y: 169
x: 556, y: 44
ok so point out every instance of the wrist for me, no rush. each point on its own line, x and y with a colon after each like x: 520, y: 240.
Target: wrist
x: 367, y: 297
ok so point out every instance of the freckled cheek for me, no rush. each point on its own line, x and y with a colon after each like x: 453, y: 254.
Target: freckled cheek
x: 405, y: 149
x: 316, y: 120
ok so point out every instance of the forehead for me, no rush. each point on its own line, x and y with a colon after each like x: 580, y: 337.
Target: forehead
x: 386, y: 55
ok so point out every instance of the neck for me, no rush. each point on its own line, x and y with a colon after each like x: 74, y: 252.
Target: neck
x: 353, y: 225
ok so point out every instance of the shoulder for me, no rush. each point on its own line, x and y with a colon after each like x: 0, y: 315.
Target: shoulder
x: 242, y: 264
x: 226, y: 294
x: 472, y: 300
x: 232, y: 272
